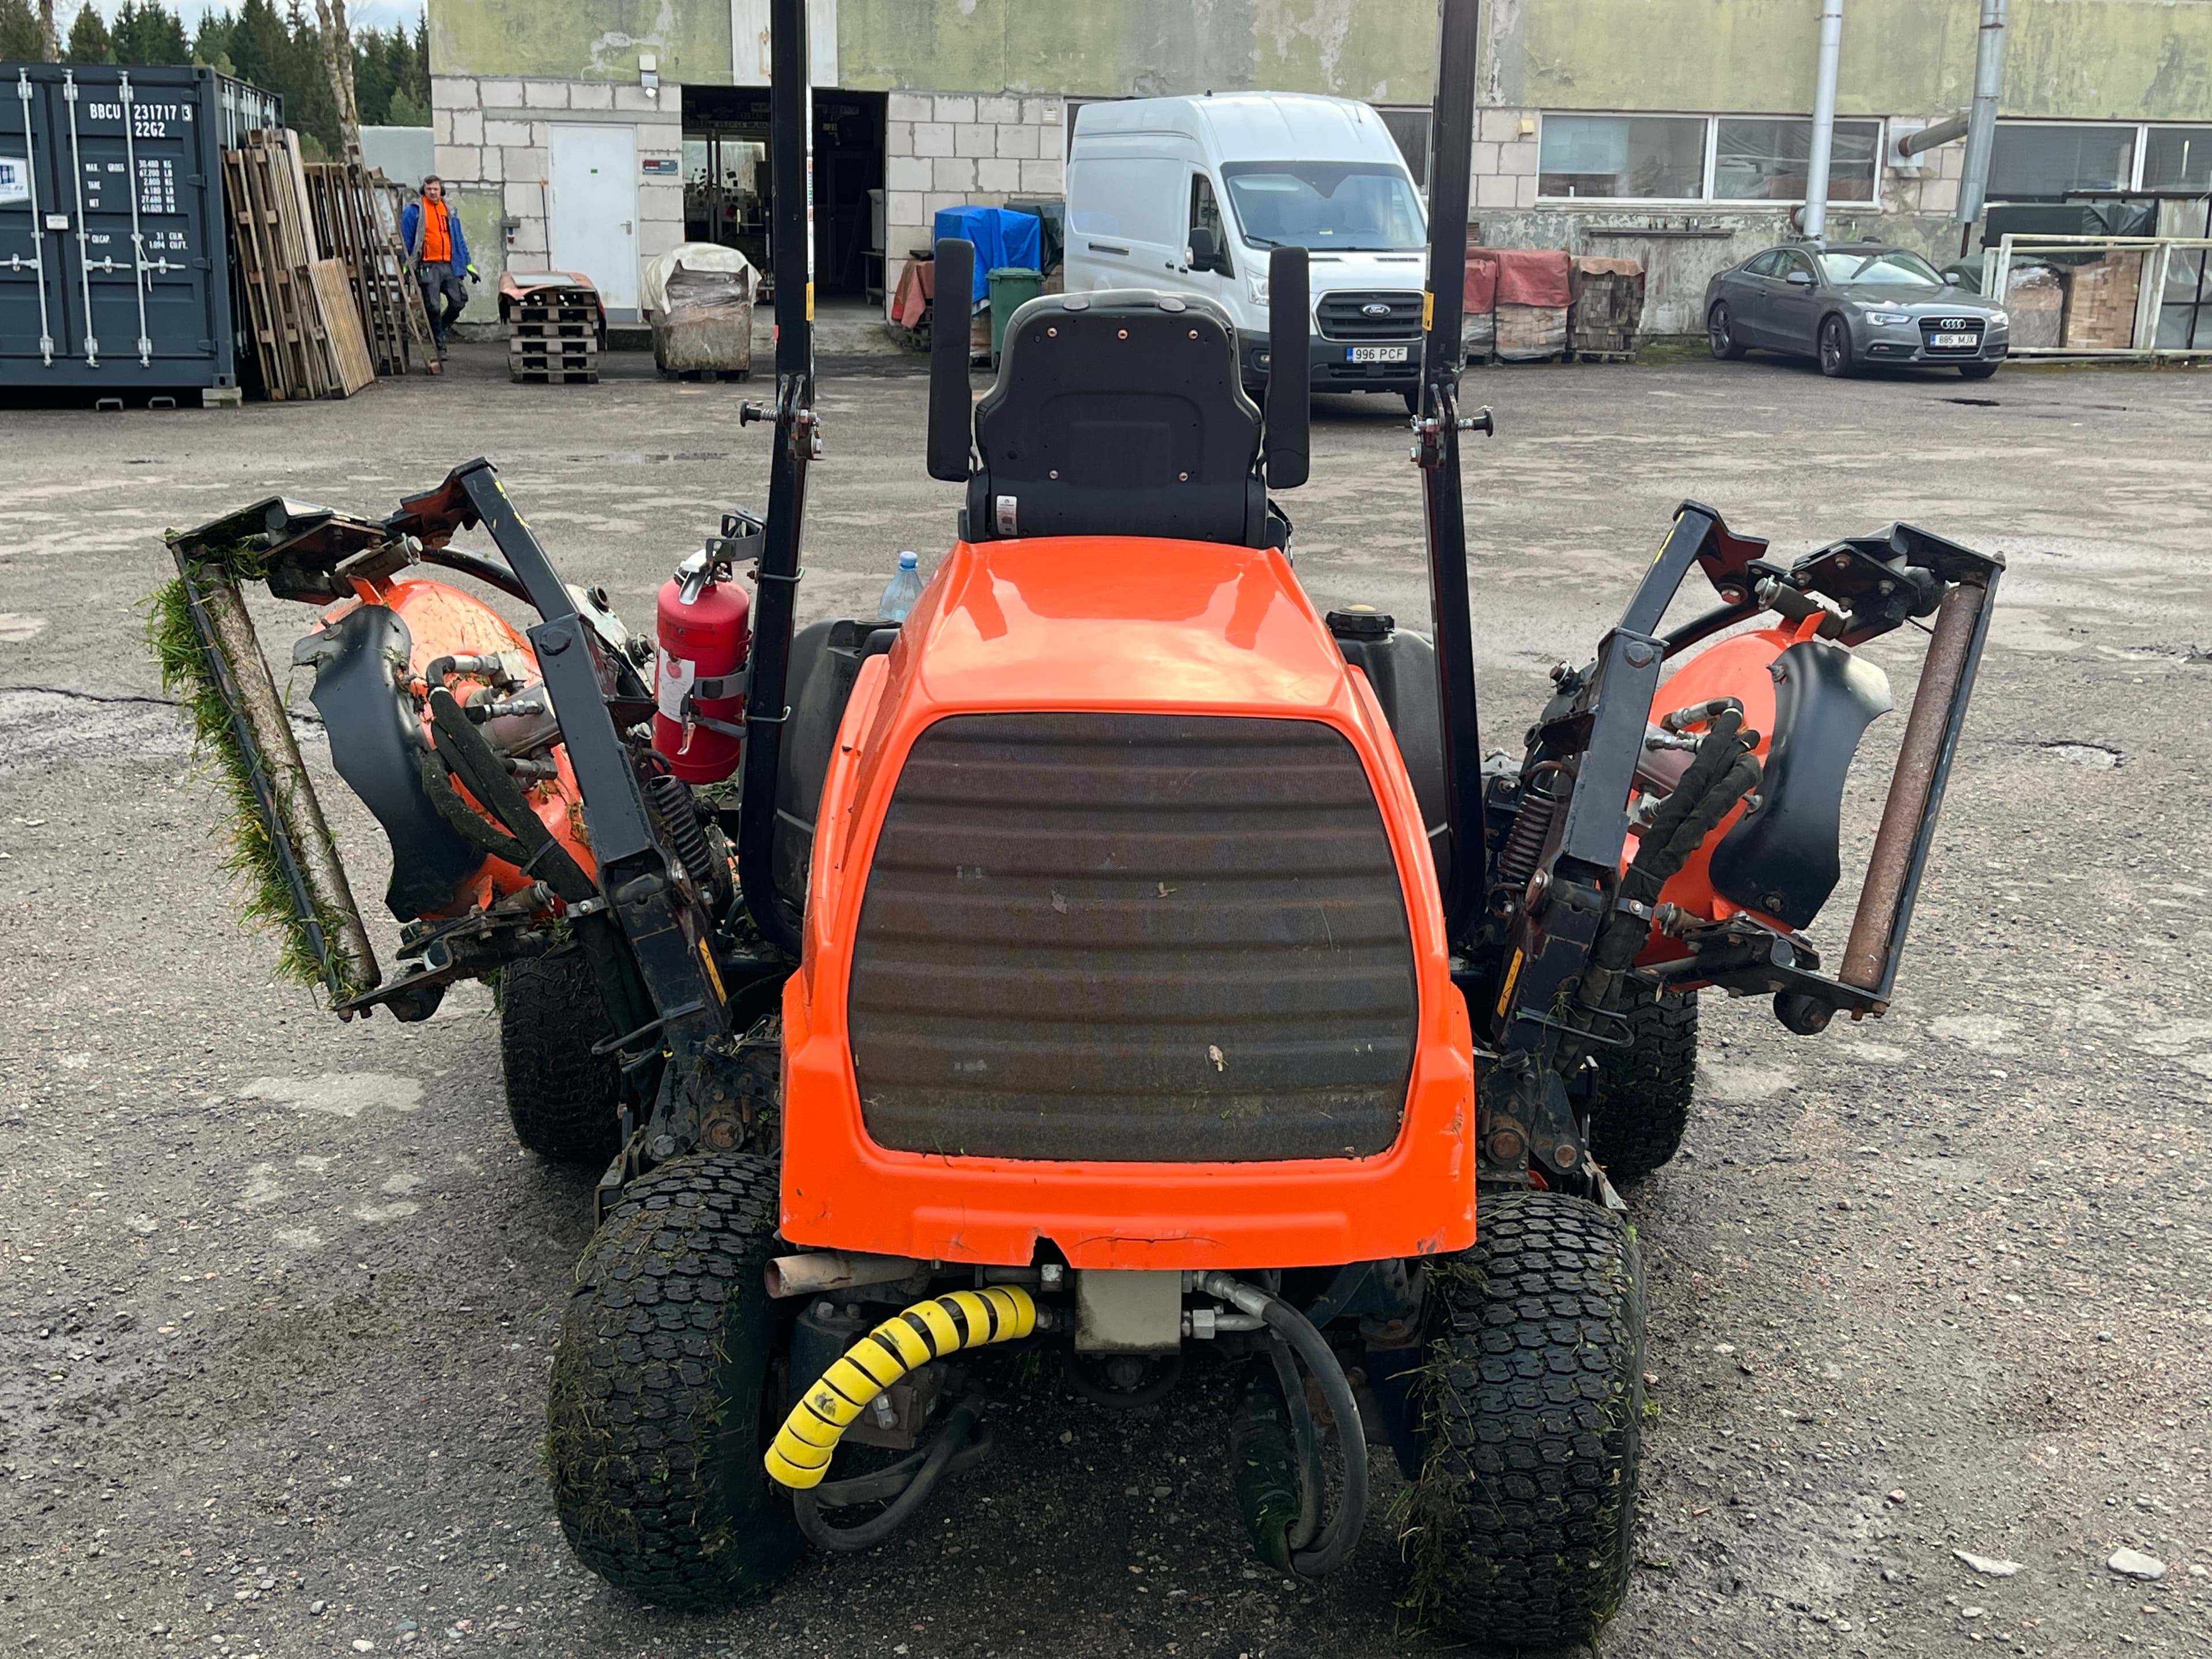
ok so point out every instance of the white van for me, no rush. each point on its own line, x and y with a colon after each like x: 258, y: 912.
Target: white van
x: 1187, y: 194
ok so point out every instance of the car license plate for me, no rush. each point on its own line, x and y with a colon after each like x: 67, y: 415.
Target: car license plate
x: 1942, y: 341
x: 1374, y: 354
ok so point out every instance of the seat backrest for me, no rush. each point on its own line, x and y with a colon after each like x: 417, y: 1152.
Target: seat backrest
x: 1119, y: 413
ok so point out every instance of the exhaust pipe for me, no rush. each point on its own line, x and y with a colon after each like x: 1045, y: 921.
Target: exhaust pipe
x: 833, y: 1270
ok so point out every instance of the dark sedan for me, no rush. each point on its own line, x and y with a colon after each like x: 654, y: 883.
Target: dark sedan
x: 1851, y: 306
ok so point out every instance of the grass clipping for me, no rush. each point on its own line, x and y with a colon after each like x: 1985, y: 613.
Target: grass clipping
x: 330, y: 954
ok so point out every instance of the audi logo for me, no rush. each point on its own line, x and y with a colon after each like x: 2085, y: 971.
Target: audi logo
x: 1375, y: 308
x: 1959, y: 322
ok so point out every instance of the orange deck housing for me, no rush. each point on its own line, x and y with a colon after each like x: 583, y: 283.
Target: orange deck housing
x: 1127, y: 625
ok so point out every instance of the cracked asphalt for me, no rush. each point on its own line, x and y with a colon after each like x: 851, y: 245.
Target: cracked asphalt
x: 277, y: 1295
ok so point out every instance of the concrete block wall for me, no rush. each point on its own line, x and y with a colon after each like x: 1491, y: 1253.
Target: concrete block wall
x: 954, y: 149
x: 492, y: 142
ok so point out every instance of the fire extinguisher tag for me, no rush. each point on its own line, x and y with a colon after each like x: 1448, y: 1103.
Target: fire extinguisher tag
x: 674, y: 684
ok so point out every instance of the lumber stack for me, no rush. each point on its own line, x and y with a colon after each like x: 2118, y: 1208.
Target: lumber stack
x: 357, y: 224
x: 274, y: 235
x: 326, y: 282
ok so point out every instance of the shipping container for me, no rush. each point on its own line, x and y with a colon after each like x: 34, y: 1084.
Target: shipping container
x: 114, y: 264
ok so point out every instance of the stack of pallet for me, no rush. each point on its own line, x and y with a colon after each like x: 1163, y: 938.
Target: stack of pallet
x: 308, y: 337
x: 356, y: 217
x: 555, y: 318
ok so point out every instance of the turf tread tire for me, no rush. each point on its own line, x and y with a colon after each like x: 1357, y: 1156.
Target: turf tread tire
x: 1522, y: 1520
x: 1640, y: 1106
x: 562, y: 1099
x: 655, y: 1425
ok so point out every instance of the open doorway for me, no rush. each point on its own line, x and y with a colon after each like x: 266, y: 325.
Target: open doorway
x: 728, y: 174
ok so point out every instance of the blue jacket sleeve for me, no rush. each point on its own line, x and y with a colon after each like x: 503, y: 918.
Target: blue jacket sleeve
x: 462, y: 259
x: 409, y: 216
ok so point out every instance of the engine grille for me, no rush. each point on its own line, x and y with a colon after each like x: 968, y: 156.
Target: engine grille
x: 1344, y: 316
x: 1139, y: 938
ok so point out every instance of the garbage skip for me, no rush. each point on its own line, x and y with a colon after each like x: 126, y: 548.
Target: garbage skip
x: 1012, y: 286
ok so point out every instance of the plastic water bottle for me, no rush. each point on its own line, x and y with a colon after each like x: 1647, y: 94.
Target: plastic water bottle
x: 902, y: 590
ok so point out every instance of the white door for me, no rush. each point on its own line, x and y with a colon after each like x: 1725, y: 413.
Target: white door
x: 593, y: 210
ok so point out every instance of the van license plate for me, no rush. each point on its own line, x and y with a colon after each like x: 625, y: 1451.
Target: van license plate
x: 1952, y: 342
x: 1376, y: 354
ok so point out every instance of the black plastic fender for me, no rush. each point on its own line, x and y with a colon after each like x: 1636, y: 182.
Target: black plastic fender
x: 376, y: 745
x: 1785, y: 859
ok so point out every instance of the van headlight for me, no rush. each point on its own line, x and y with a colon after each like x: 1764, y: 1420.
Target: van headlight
x: 1257, y: 288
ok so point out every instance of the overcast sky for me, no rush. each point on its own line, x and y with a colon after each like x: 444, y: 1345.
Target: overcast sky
x: 361, y: 14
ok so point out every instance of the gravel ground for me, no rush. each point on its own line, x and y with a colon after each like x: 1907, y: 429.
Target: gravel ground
x: 278, y: 1295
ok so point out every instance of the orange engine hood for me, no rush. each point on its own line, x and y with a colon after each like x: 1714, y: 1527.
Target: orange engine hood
x: 1104, y: 623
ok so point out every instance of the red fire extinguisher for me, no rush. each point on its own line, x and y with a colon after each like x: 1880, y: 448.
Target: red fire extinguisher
x: 705, y: 636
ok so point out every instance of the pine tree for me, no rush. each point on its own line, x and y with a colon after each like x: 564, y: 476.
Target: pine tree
x: 88, y: 39
x: 211, y: 43
x: 19, y: 32
x: 148, y: 34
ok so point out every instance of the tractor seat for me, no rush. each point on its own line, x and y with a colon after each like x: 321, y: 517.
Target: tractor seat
x: 1119, y: 413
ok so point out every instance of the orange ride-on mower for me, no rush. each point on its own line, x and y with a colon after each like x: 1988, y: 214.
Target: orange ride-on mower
x: 1116, y: 959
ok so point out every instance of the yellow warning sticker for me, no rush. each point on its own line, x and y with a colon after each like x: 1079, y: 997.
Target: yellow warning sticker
x: 1512, y: 976
x: 810, y: 302
x: 1428, y: 310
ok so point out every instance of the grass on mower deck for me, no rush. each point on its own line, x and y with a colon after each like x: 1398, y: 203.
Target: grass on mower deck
x: 252, y: 855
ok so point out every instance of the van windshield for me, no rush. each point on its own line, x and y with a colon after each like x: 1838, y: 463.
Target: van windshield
x: 1340, y: 206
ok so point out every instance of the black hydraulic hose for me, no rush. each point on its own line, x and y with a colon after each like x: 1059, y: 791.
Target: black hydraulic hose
x: 806, y: 1505
x: 1341, y: 1535
x: 484, y: 570
x: 1313, y: 1480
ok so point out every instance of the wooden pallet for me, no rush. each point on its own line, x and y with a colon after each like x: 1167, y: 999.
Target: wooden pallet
x: 274, y: 238
x: 356, y: 217
x: 555, y: 375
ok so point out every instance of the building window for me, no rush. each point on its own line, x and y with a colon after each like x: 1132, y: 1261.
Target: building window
x: 2177, y: 158
x: 1410, y: 127
x: 2043, y: 162
x: 1760, y: 159
x: 1640, y: 157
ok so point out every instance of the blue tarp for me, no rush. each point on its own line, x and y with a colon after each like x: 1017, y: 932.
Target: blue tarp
x: 1001, y: 237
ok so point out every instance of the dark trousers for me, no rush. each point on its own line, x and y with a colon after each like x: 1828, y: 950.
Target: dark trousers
x: 443, y: 282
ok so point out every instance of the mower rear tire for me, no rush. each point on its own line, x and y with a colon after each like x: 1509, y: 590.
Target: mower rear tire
x: 1641, y: 1104
x: 562, y: 1099
x: 661, y: 1390
x: 1521, y: 1522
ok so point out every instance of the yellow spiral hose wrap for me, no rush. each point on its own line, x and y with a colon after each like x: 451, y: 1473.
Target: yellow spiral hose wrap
x: 928, y: 1330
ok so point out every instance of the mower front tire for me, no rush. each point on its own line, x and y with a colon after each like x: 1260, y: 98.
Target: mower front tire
x: 661, y: 1388
x: 1520, y: 1521
x: 1640, y: 1106
x: 562, y: 1099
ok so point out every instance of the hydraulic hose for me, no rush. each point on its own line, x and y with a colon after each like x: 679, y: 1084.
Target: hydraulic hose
x: 800, y: 1454
x: 932, y: 1467
x: 1341, y: 1535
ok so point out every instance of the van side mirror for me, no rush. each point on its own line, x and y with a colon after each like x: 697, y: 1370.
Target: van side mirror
x: 1289, y: 430
x: 952, y: 406
x: 1204, y: 247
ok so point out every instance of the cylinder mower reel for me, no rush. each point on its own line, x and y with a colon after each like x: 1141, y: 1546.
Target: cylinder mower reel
x: 1115, y: 967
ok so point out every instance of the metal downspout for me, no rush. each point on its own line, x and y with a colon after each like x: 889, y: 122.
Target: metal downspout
x: 1982, y: 127
x: 1823, y: 150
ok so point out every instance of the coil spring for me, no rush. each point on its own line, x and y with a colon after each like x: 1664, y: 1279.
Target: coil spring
x: 672, y: 799
x: 1524, y: 842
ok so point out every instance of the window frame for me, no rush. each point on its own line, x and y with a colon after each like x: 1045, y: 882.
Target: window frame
x: 1706, y: 199
x: 2137, y: 165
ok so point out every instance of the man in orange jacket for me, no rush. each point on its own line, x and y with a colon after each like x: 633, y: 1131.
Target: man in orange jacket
x: 439, y: 254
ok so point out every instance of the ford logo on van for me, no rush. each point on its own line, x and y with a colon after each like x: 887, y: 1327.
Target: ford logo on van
x: 1377, y: 308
